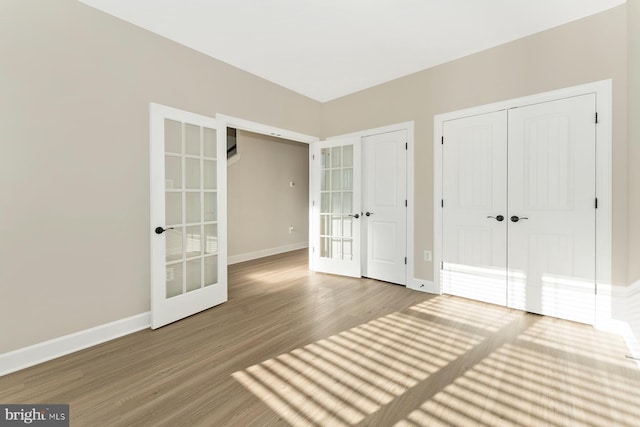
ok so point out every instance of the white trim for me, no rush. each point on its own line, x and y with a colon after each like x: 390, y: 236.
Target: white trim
x: 248, y: 256
x: 616, y: 312
x: 48, y: 350
x: 409, y: 128
x: 422, y: 286
x: 603, y: 91
x: 263, y: 129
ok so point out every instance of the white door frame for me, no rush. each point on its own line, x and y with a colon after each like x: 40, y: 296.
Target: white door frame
x: 603, y: 91
x: 277, y: 132
x: 409, y: 128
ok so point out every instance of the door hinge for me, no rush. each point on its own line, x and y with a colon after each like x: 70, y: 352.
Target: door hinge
x: 406, y: 145
x: 442, y: 203
x: 441, y: 265
x: 442, y: 140
x: 313, y: 157
x: 596, y: 118
x: 313, y: 203
x: 596, y: 203
x: 405, y: 260
x: 405, y: 203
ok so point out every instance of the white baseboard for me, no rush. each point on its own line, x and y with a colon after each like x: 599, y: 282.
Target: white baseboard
x: 617, y: 312
x: 42, y: 352
x: 234, y: 259
x: 423, y: 286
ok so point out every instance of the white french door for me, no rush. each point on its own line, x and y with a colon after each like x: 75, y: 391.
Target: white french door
x: 188, y: 214
x: 337, y: 215
x: 519, y: 207
x: 385, y: 206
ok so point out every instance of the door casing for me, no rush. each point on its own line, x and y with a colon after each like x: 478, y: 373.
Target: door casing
x: 603, y: 91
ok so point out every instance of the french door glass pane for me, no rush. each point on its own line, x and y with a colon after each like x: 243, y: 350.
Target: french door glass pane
x: 172, y: 173
x: 336, y: 157
x: 192, y: 139
x: 336, y: 203
x: 325, y: 180
x: 209, y: 145
x: 210, y: 239
x: 192, y: 173
x: 194, y: 245
x: 173, y: 239
x: 193, y: 209
x: 174, y: 280
x: 191, y: 198
x: 210, y: 270
x: 210, y: 172
x: 172, y: 136
x: 173, y: 208
x: 194, y: 274
x: 210, y: 207
x: 347, y: 156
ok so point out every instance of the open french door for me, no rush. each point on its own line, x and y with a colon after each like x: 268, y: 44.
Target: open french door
x: 336, y: 207
x: 188, y: 214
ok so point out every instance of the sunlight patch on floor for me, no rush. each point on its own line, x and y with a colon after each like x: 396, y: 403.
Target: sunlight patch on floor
x: 547, y: 377
x: 343, y: 379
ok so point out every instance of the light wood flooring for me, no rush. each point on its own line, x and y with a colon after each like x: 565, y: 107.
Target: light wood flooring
x: 293, y: 347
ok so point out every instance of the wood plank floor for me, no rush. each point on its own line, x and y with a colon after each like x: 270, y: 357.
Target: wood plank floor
x: 293, y: 347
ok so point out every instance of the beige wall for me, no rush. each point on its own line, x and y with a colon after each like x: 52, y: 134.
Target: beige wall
x: 261, y: 204
x: 633, y: 50
x: 587, y: 50
x: 75, y: 87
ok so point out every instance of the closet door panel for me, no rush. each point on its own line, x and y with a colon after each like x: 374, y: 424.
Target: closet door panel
x: 551, y: 238
x: 474, y: 211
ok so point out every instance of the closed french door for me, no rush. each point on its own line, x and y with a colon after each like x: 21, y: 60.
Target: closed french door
x: 336, y: 246
x: 188, y: 214
x: 519, y: 208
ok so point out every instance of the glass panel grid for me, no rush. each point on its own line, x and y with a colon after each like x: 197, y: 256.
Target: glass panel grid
x: 336, y: 202
x: 190, y: 207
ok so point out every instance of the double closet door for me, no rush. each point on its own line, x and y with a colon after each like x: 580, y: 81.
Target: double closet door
x: 519, y: 208
x: 361, y: 207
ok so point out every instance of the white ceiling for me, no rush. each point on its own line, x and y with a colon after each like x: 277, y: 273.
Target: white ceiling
x: 326, y: 49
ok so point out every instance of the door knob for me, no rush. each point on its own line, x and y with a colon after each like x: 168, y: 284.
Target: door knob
x: 369, y: 213
x: 498, y: 218
x: 160, y: 230
x: 515, y: 218
x: 356, y: 216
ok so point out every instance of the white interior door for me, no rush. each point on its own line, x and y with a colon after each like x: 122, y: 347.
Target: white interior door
x: 384, y: 206
x: 475, y: 207
x: 337, y: 212
x: 188, y: 214
x: 552, y: 208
